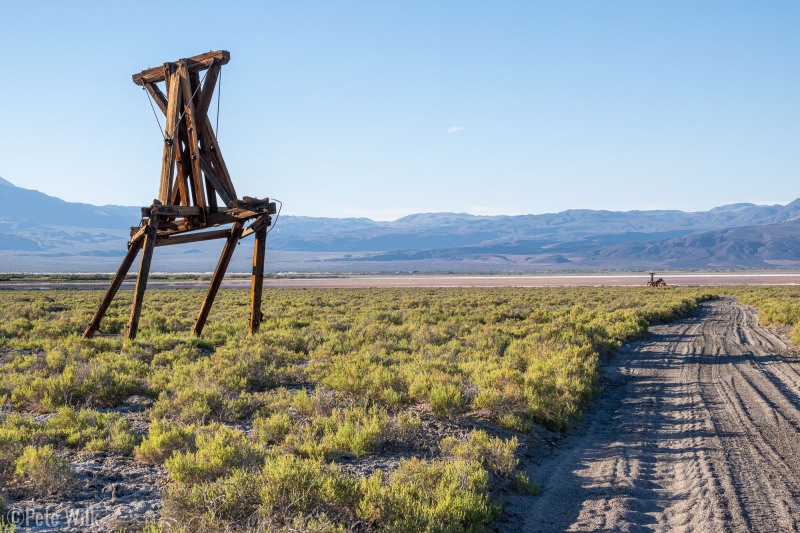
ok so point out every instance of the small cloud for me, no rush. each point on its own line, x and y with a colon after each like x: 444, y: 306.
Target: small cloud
x: 455, y: 129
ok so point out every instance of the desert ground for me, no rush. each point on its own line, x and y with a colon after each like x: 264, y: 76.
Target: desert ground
x: 693, y: 424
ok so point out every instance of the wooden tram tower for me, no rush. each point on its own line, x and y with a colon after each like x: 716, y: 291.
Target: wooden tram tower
x: 193, y: 176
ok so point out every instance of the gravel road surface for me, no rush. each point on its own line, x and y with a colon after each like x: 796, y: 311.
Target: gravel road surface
x: 697, y: 429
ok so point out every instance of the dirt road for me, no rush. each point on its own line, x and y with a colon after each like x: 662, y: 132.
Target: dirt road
x: 698, y: 429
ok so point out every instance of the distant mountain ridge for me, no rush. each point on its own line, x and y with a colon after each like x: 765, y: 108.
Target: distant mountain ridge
x: 26, y: 205
x: 766, y: 246
x: 448, y: 230
x: 741, y: 235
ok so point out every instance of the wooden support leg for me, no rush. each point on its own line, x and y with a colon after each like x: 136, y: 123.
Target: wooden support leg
x: 116, y: 282
x: 141, y: 280
x: 216, y: 279
x: 257, y: 282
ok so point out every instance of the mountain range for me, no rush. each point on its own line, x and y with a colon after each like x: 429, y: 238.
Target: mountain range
x: 43, y: 233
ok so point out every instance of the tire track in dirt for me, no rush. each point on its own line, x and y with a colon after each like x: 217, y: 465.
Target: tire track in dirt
x: 697, y: 429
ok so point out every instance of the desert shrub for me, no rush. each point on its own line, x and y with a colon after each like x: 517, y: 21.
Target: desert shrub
x: 104, y: 380
x: 43, y: 471
x: 292, y: 485
x: 494, y: 453
x: 520, y: 423
x: 91, y: 429
x: 194, y: 403
x: 163, y: 439
x: 285, y: 492
x: 355, y: 430
x: 403, y: 430
x: 501, y: 390
x: 209, y: 506
x: 521, y: 484
x: 272, y: 429
x: 445, y: 398
x: 217, y: 451
x: 428, y: 496
x: 16, y: 432
x: 222, y: 386
x: 557, y: 387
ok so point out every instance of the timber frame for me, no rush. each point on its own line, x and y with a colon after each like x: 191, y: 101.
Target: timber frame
x: 195, y: 193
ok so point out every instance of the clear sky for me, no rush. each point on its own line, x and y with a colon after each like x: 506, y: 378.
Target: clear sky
x: 381, y: 109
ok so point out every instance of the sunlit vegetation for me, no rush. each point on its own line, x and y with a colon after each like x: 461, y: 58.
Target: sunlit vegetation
x: 777, y: 306
x: 43, y: 470
x: 325, y: 419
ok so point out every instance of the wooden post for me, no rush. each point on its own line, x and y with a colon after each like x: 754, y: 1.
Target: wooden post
x: 192, y: 129
x: 141, y: 280
x: 216, y: 279
x: 171, y: 141
x: 215, y: 155
x: 194, y: 177
x: 257, y: 281
x: 116, y: 282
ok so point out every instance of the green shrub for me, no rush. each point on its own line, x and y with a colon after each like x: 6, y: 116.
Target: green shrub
x: 16, y: 432
x: 521, y: 484
x: 292, y: 485
x: 217, y: 451
x: 272, y: 429
x: 494, y: 453
x: 403, y: 429
x: 356, y: 430
x: 210, y: 505
x: 445, y: 399
x: 163, y: 440
x: 43, y: 471
x: 91, y: 429
x: 286, y: 492
x: 428, y: 496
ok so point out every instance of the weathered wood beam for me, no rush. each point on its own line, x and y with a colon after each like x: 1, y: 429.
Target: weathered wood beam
x: 195, y: 237
x: 261, y: 222
x: 168, y: 158
x: 158, y: 96
x: 197, y: 90
x: 216, y: 279
x: 257, y: 280
x: 116, y: 283
x: 211, y: 146
x: 176, y: 210
x: 216, y: 182
x: 141, y: 280
x: 197, y: 218
x: 207, y: 92
x: 192, y: 130
x: 194, y: 64
x: 136, y: 234
x: 211, y: 199
x: 180, y: 191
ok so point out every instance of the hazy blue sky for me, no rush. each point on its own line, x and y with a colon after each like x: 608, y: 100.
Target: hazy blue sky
x: 382, y: 109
